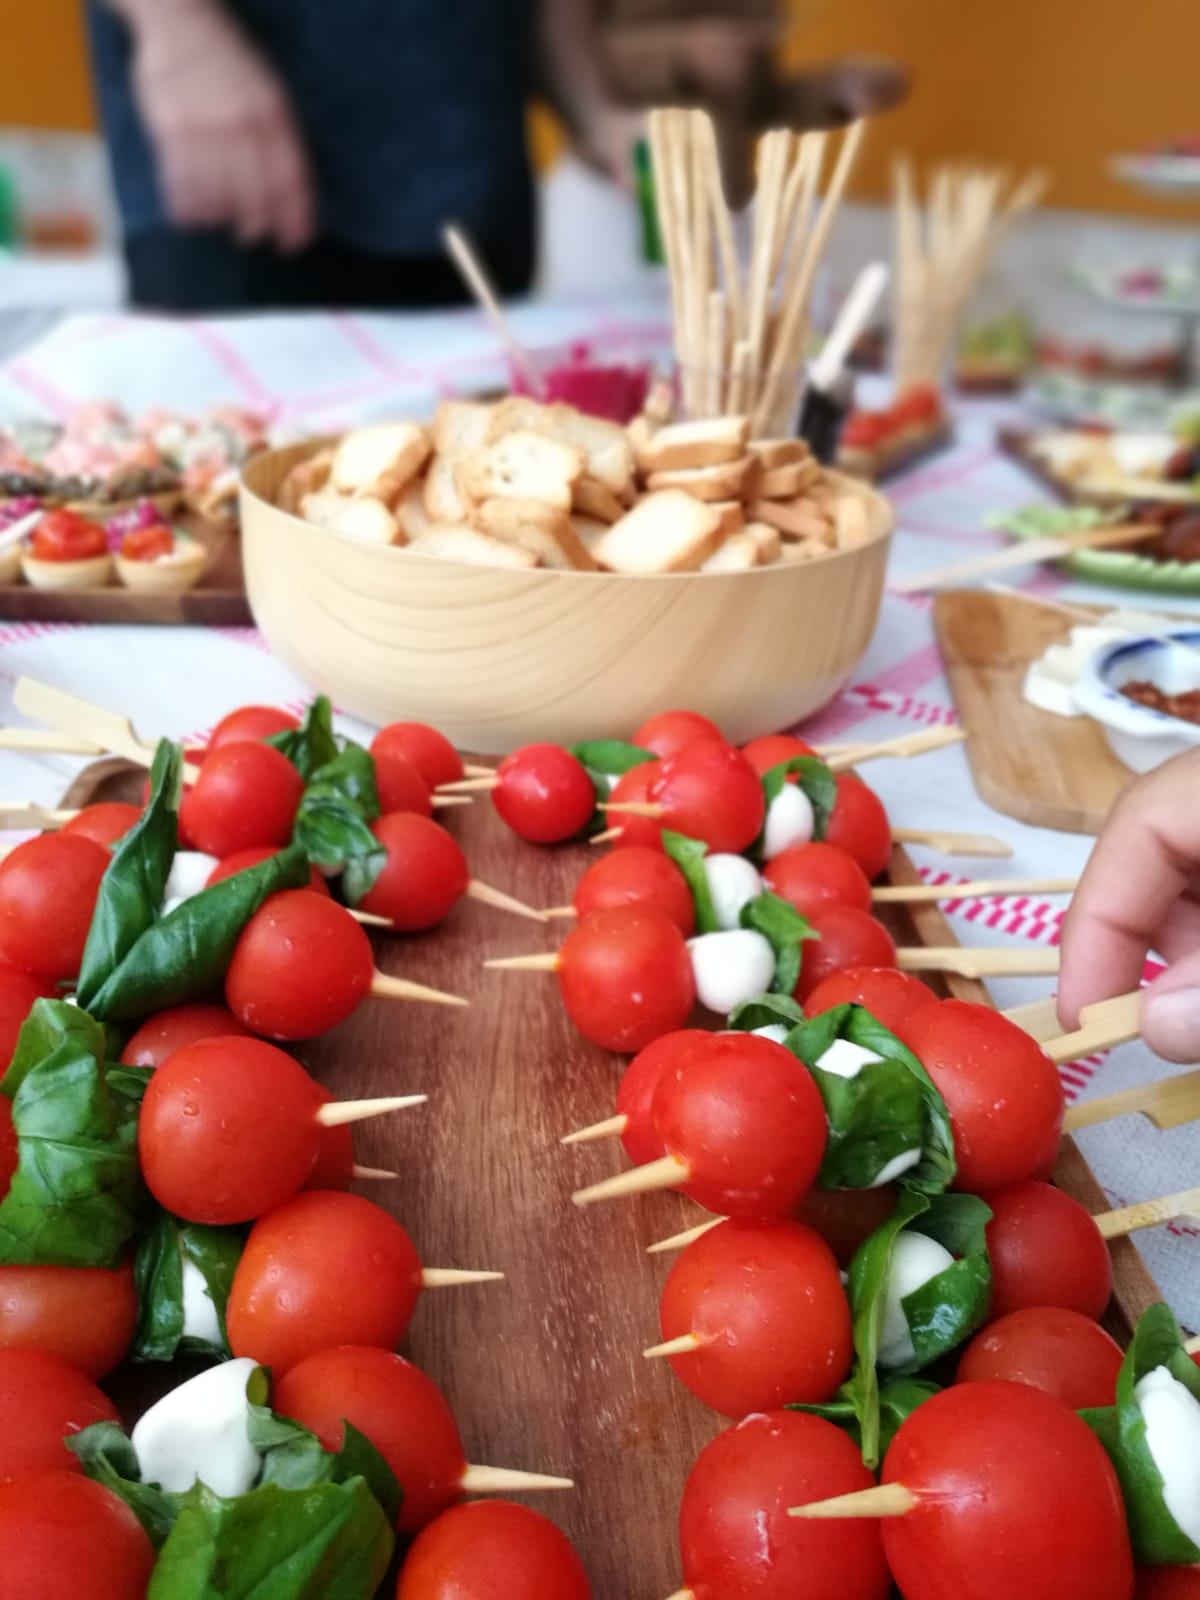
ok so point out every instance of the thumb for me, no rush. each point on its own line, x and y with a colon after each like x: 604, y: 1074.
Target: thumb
x: 1171, y: 1012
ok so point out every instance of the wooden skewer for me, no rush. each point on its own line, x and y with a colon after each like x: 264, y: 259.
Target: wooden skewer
x: 441, y: 802
x: 47, y: 739
x: 1037, y: 1018
x: 979, y: 963
x: 916, y: 893
x: 372, y: 1174
x: 1168, y: 1103
x: 385, y: 987
x: 479, y: 784
x: 881, y: 1500
x: 665, y: 1173
x: 370, y: 919
x: 679, y: 1241
x: 476, y: 279
x: 488, y: 896
x: 1026, y: 553
x: 909, y: 744
x: 337, y: 1113
x: 1109, y: 1023
x: 560, y: 913
x: 547, y: 962
x: 607, y: 836
x: 1192, y: 1346
x: 634, y: 808
x: 84, y: 720
x: 16, y: 814
x: 1146, y: 1213
x: 611, y: 1128
x: 684, y: 1345
x: 474, y: 770
x: 954, y: 844
x: 507, y: 1480
x: 452, y: 1277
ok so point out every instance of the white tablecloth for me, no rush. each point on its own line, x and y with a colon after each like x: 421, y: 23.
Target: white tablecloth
x: 330, y: 370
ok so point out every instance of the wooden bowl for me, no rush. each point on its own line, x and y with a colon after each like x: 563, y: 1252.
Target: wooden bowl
x: 496, y: 658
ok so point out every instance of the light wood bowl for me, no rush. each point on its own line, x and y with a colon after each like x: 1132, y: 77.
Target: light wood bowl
x: 496, y: 658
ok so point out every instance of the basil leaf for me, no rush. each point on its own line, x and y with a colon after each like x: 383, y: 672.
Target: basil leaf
x: 765, y: 1011
x: 187, y: 952
x: 107, y: 1457
x: 898, y: 1399
x: 313, y: 743
x: 328, y: 1542
x: 341, y: 799
x: 785, y: 930
x: 951, y: 1306
x: 815, y: 778
x: 132, y: 889
x: 688, y: 855
x: 294, y: 1458
x: 610, y: 758
x: 50, y: 1025
x: 158, y: 1274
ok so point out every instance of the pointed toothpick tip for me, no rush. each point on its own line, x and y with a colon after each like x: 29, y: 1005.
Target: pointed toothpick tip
x: 665, y: 1173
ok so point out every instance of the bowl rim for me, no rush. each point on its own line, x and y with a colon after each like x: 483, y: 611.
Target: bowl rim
x: 1099, y: 699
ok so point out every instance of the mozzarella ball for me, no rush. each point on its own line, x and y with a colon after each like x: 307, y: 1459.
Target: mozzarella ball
x: 199, y: 1313
x: 1172, y: 1416
x: 197, y: 1432
x: 774, y: 1031
x: 732, y: 882
x: 189, y: 873
x: 790, y: 821
x: 731, y: 967
x: 845, y: 1059
x: 893, y: 1169
x: 914, y: 1261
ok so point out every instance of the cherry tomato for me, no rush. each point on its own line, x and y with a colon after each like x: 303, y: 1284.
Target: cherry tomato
x: 1050, y: 1348
x: 859, y: 825
x: 625, y: 977
x: 147, y: 544
x: 809, y: 876
x: 1168, y: 1583
x: 334, y: 1166
x: 845, y: 1218
x: 672, y: 731
x: 323, y: 1270
x: 48, y: 889
x: 1015, y: 1497
x: 402, y: 787
x: 421, y: 746
x: 634, y: 785
x: 635, y: 1097
x: 402, y: 1412
x: 161, y: 1035
x: 18, y: 993
x: 42, y: 1399
x: 492, y: 1550
x: 889, y: 996
x: 301, y: 966
x: 773, y: 749
x: 10, y: 1151
x: 766, y: 1303
x: 710, y: 791
x: 242, y: 860
x: 424, y: 877
x: 247, y: 794
x: 106, y: 822
x: 746, y: 1119
x: 864, y: 430
x: 251, y: 723
x: 1046, y: 1250
x: 66, y: 536
x: 1000, y: 1087
x: 84, y: 1315
x: 736, y: 1539
x: 228, y: 1130
x: 637, y: 876
x: 544, y: 794
x: 919, y: 403
x: 847, y: 938
x: 61, y: 1534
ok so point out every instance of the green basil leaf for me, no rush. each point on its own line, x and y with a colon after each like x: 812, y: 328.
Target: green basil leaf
x: 107, y: 1457
x: 294, y: 1458
x: 785, y: 930
x: 765, y: 1011
x: 688, y: 855
x: 329, y: 1542
x: 610, y: 758
x: 187, y: 952
x: 132, y: 889
x: 341, y: 799
x: 898, y: 1399
x: 950, y: 1307
x: 313, y: 743
x: 50, y: 1025
x: 815, y: 778
x: 158, y: 1274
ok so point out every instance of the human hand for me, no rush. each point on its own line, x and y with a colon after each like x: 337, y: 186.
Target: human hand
x: 1141, y: 891
x: 227, y: 144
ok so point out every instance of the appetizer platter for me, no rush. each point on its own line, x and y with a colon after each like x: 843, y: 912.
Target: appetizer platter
x: 862, y: 1124
x: 1170, y: 170
x: 1101, y: 403
x: 1103, y: 466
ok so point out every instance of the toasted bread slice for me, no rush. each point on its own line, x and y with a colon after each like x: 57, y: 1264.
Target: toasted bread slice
x: 773, y: 453
x: 521, y: 466
x: 537, y: 527
x: 737, y: 554
x: 590, y: 532
x: 784, y: 483
x: 359, y: 516
x: 591, y: 498
x: 683, y: 445
x: 766, y: 541
x: 732, y: 514
x: 411, y: 512
x: 457, y: 542
x: 443, y: 502
x: 796, y: 519
x: 732, y: 480
x: 519, y: 411
x: 306, y: 477
x: 804, y: 550
x: 380, y: 461
x: 460, y: 426
x: 665, y: 532
x: 852, y: 526
x: 605, y: 445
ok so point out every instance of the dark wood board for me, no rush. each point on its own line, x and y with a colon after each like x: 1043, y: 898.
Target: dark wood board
x: 544, y: 1371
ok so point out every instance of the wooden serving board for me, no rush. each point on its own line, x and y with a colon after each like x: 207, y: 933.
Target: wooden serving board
x: 1052, y: 772
x: 544, y: 1370
x: 884, y: 465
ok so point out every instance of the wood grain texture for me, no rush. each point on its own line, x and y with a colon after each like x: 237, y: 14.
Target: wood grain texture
x: 497, y: 658
x: 1052, y: 772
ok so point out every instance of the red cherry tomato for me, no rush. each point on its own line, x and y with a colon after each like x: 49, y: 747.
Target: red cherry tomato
x: 864, y: 430
x: 66, y: 536
x: 334, y: 1166
x: 773, y: 749
x: 1015, y: 1497
x: 323, y: 1270
x: 48, y: 889
x: 161, y: 1035
x: 492, y: 1550
x: 402, y: 786
x: 1000, y: 1087
x: 736, y: 1539
x: 1046, y: 1250
x: 672, y: 731
x: 251, y: 723
x: 105, y: 823
x: 710, y: 791
x: 848, y: 938
x: 766, y: 1303
x: 859, y: 825
x: 1168, y: 1583
x: 643, y: 832
x: 919, y: 403
x: 635, y: 1097
x: 61, y: 1534
x: 247, y: 794
x: 18, y: 992
x: 845, y: 1218
x: 637, y: 877
x: 544, y: 794
x: 424, y: 877
x: 421, y: 746
x: 809, y: 876
x: 84, y: 1315
x: 301, y: 966
x: 42, y: 1400
x: 228, y: 1130
x: 746, y: 1119
x: 625, y: 977
x: 890, y: 996
x: 147, y: 544
x: 1050, y: 1348
x: 242, y: 860
x: 402, y: 1412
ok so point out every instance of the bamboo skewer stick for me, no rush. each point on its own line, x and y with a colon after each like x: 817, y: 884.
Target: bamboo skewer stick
x: 1148, y: 1213
x: 664, y: 1173
x: 372, y: 1174
x: 453, y: 1277
x: 610, y: 1128
x: 475, y: 277
x: 919, y: 893
x: 1109, y: 1023
x: 83, y: 720
x: 507, y: 1480
x: 486, y: 895
x: 678, y: 1241
x: 909, y: 744
x: 682, y: 1346
x: 1168, y: 1103
x: 339, y: 1113
x: 385, y: 987
x: 1037, y: 1018
x: 979, y: 963
x: 46, y: 739
x: 881, y: 1500
x: 954, y: 844
x: 1026, y: 553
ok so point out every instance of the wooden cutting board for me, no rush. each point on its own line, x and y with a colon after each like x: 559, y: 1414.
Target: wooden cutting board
x: 544, y: 1371
x: 1053, y: 772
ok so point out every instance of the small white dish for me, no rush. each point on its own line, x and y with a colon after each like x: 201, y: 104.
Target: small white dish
x: 1138, y: 736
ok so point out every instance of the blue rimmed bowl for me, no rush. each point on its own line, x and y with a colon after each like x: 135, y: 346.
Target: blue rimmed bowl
x: 1139, y: 736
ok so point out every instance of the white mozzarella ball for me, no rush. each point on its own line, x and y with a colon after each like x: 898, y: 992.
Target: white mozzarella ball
x: 198, y: 1432
x: 199, y: 1313
x: 731, y: 967
x: 891, y: 1170
x: 845, y: 1059
x: 189, y: 874
x: 790, y: 821
x: 915, y: 1259
x: 1172, y: 1416
x: 775, y: 1031
x: 732, y: 882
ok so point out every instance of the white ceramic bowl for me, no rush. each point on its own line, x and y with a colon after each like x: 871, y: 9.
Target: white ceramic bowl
x: 1138, y: 736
